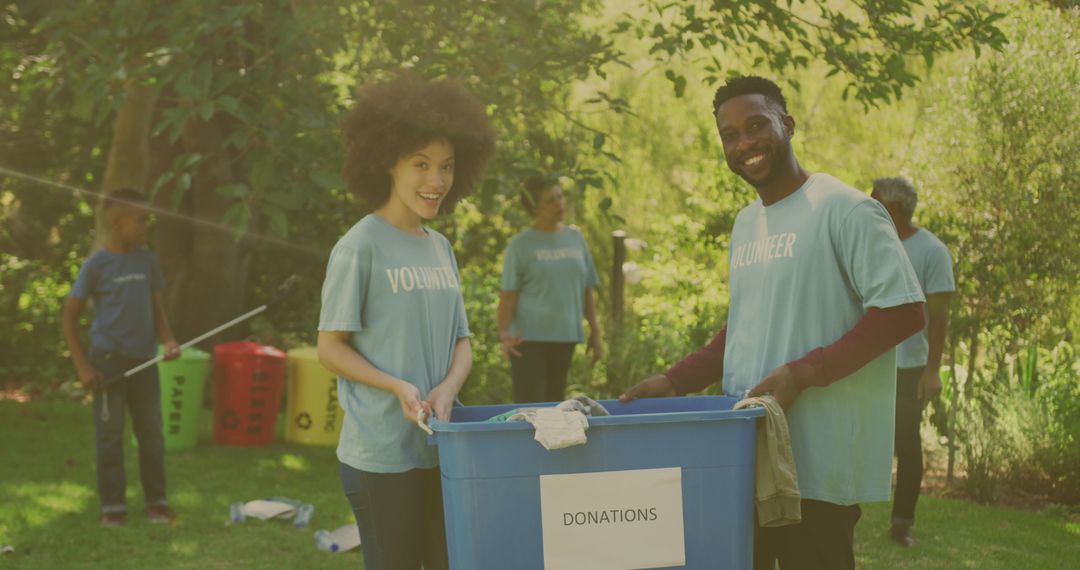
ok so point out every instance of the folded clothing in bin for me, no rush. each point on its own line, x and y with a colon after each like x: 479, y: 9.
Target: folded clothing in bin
x: 560, y: 426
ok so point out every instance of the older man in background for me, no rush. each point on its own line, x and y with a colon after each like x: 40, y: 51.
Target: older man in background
x: 918, y: 359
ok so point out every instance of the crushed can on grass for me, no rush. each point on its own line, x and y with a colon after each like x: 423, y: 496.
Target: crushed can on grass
x: 303, y: 515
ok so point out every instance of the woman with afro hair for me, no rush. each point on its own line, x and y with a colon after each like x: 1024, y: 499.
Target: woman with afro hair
x: 392, y: 324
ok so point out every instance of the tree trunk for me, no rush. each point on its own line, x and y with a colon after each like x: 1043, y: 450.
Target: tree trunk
x: 206, y: 265
x: 950, y: 414
x: 961, y: 394
x: 172, y: 230
x: 128, y: 163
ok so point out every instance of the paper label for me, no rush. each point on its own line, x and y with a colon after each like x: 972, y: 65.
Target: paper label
x: 614, y: 520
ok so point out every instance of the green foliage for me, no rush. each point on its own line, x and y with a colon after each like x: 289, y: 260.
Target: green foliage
x: 1058, y: 393
x: 244, y: 64
x: 1016, y: 420
x: 872, y: 44
x: 998, y: 173
x: 1006, y: 172
x: 583, y: 90
x: 32, y: 294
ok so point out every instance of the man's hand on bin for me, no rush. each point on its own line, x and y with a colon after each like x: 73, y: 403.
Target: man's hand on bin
x: 781, y: 384
x: 441, y: 401
x: 658, y: 386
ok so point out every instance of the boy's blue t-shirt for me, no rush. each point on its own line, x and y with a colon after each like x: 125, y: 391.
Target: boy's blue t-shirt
x: 121, y: 286
x: 399, y: 295
x: 550, y: 271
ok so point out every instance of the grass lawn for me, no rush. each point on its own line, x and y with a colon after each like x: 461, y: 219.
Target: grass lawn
x: 48, y: 510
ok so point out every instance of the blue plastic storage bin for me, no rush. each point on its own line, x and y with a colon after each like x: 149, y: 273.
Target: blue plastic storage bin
x: 491, y: 476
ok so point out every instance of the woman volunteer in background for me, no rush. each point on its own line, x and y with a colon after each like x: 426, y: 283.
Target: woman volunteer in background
x: 392, y: 324
x: 547, y: 287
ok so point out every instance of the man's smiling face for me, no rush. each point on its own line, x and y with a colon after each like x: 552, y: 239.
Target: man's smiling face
x: 756, y: 136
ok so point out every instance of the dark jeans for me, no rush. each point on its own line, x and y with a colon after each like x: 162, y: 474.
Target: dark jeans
x: 400, y: 517
x: 824, y: 540
x: 139, y: 394
x: 540, y: 372
x: 909, y: 459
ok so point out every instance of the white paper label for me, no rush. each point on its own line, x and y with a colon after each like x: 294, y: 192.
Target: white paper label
x: 615, y: 520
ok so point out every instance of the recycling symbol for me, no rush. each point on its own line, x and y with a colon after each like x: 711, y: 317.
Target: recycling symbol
x: 303, y: 421
x: 229, y: 420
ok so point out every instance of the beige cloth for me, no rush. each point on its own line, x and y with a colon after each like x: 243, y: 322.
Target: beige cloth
x: 776, y: 488
x: 555, y: 428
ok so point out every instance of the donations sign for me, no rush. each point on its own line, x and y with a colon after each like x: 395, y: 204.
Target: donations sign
x: 615, y: 520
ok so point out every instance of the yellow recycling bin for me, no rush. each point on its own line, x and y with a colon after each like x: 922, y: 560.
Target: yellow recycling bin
x: 313, y: 414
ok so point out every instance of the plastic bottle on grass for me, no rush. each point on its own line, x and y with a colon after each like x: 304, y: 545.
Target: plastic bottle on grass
x: 303, y: 515
x: 236, y: 513
x: 325, y: 542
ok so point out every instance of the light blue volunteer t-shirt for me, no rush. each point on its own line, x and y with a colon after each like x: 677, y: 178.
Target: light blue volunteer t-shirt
x: 400, y: 296
x: 121, y: 286
x: 551, y: 271
x: 803, y: 272
x: 933, y: 267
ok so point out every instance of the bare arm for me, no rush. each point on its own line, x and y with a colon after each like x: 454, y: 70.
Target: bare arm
x: 937, y: 308
x: 596, y: 341
x: 508, y: 301
x: 691, y: 374
x: 441, y: 398
x: 161, y: 327
x: 88, y: 375
x: 337, y: 354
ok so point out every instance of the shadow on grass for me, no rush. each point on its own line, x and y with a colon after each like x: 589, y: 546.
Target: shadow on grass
x: 49, y: 506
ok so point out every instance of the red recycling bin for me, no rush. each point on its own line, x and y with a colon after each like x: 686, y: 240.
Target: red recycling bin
x: 249, y: 379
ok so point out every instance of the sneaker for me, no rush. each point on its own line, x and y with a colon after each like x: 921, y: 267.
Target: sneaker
x: 160, y: 514
x: 900, y: 534
x: 113, y: 519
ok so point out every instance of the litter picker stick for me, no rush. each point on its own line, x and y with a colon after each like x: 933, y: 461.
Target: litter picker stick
x: 280, y: 294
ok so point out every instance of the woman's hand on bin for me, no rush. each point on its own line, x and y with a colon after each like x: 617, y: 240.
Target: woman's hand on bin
x: 441, y: 401
x: 411, y: 404
x: 658, y: 386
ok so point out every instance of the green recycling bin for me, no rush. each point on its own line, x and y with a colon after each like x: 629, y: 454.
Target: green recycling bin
x: 182, y: 383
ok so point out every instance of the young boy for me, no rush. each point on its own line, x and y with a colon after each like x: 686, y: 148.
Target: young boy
x: 125, y: 282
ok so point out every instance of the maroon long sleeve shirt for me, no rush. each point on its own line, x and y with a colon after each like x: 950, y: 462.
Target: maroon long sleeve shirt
x: 878, y: 331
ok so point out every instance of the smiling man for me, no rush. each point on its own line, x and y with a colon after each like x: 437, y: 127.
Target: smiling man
x: 821, y: 292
